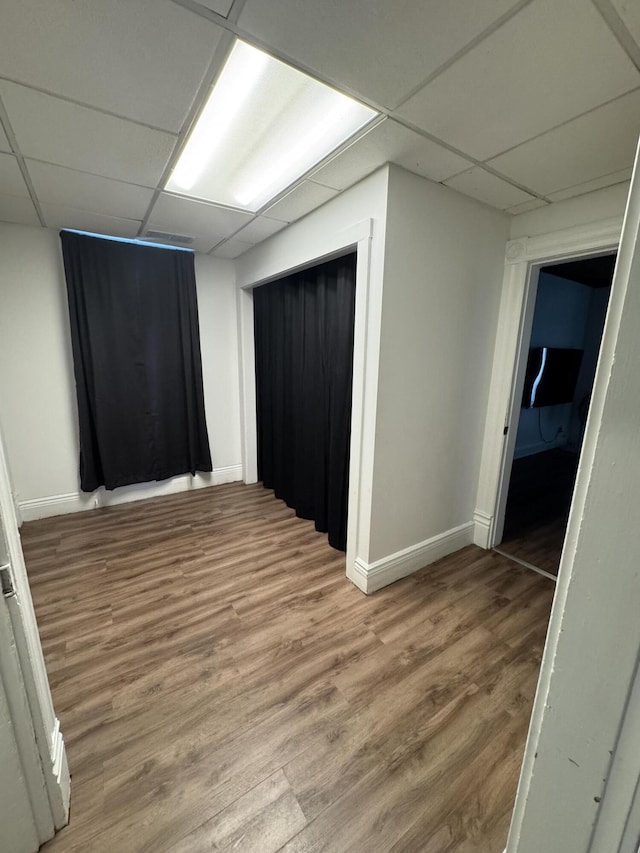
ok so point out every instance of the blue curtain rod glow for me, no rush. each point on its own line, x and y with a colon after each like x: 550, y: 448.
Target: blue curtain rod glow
x: 129, y: 240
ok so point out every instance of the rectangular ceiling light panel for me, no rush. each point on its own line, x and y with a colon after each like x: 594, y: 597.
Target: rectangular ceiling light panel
x: 264, y: 125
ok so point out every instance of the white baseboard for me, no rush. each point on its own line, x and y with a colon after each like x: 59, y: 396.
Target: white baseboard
x: 81, y: 501
x: 482, y: 524
x: 370, y: 577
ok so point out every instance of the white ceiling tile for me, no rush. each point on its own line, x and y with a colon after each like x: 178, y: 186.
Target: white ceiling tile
x: 526, y: 206
x: 550, y: 63
x: 144, y: 60
x: 629, y: 11
x: 61, y: 216
x: 232, y: 249
x: 18, y: 210
x: 206, y: 222
x: 261, y: 228
x: 4, y: 142
x: 300, y: 201
x: 611, y: 180
x: 596, y: 144
x: 380, y: 49
x: 222, y: 7
x: 487, y: 188
x: 393, y: 143
x: 11, y: 180
x: 57, y: 131
x: 88, y: 192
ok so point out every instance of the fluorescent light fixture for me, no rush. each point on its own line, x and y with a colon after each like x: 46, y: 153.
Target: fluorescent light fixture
x: 264, y: 125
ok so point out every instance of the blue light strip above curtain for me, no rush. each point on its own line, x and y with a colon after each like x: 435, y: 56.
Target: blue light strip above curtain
x: 133, y: 240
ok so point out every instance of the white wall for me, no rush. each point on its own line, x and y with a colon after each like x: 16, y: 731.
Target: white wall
x: 442, y: 284
x: 37, y: 390
x: 215, y: 283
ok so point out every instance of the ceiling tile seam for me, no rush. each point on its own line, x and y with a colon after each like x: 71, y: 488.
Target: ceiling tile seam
x: 83, y: 209
x: 344, y: 146
x: 619, y: 29
x: 596, y: 178
x: 561, y: 124
x: 209, y: 14
x: 409, y: 125
x: 217, y: 245
x: 205, y: 202
x: 235, y: 11
x: 26, y: 177
x: 236, y: 233
x: 89, y: 174
x: 474, y: 162
x: 54, y: 204
x: 88, y: 106
x: 467, y: 48
x: 216, y: 65
x: 497, y: 174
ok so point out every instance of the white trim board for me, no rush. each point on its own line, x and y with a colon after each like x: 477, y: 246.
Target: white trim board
x: 370, y: 577
x: 81, y: 501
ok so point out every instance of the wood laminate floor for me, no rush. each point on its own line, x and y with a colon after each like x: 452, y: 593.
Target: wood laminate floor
x: 221, y: 686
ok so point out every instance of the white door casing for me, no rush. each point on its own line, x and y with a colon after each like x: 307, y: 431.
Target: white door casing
x: 33, y: 723
x: 523, y: 259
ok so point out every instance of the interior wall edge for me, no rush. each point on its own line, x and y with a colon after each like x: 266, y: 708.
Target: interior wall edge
x: 71, y: 502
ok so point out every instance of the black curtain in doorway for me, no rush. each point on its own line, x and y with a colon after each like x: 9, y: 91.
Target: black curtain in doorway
x: 304, y: 365
x: 136, y: 354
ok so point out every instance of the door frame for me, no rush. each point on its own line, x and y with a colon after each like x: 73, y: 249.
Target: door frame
x: 365, y: 361
x: 524, y: 257
x: 24, y: 675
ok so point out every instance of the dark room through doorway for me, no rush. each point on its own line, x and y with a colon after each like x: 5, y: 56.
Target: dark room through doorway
x: 570, y: 310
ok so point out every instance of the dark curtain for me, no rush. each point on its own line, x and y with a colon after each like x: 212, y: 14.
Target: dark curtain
x: 136, y: 354
x: 304, y: 364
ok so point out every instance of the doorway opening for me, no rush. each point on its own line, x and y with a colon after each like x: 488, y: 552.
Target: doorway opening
x: 557, y: 374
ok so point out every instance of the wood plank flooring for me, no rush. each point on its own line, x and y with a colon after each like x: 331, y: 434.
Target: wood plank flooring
x: 221, y: 686
x: 540, y: 546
